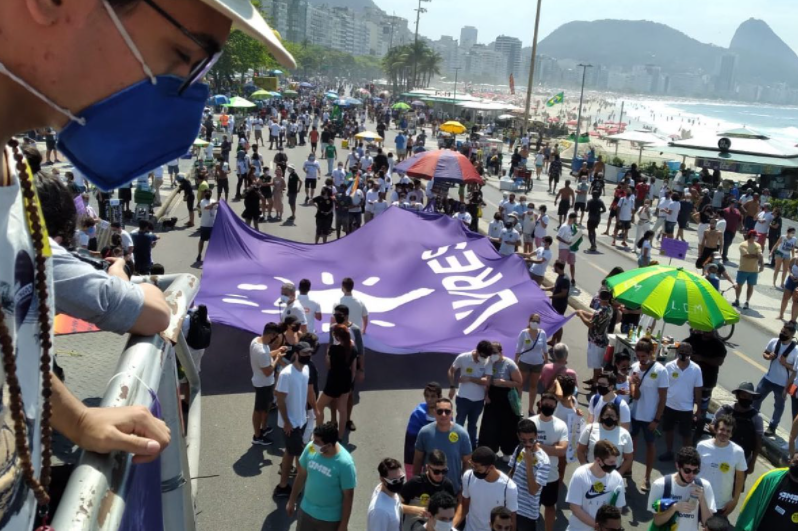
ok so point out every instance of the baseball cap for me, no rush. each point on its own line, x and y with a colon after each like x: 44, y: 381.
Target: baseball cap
x: 247, y: 18
x: 751, y: 233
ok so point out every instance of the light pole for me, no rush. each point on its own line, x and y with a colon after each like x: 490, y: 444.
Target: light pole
x: 579, y: 114
x: 529, y: 84
x: 454, y: 99
x: 415, y: 41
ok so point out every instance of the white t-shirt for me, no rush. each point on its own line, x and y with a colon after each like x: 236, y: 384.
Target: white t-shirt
x: 763, y: 220
x: 207, y: 217
x: 540, y: 269
x: 591, y: 492
x: 595, y: 432
x: 311, y: 308
x: 674, y: 208
x: 531, y: 350
x: 688, y: 521
x: 509, y: 238
x: 274, y: 129
x: 475, y: 369
x: 294, y: 384
x: 17, y: 277
x: 484, y: 496
x: 495, y: 228
x: 645, y: 408
x: 357, y: 309
x: 566, y: 234
x: 550, y: 433
x: 777, y: 373
x: 597, y: 403
x: 385, y: 511
x: 682, y: 384
x: 312, y: 169
x: 260, y: 358
x: 528, y: 222
x: 295, y: 309
x: 540, y: 229
x: 127, y: 240
x: 718, y: 467
x: 625, y: 207
x: 380, y: 207
x: 663, y: 204
x: 371, y: 198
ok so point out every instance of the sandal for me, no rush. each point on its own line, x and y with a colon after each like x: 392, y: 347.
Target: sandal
x: 646, y: 485
x: 351, y: 426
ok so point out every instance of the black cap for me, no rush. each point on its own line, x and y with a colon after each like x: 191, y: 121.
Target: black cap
x: 302, y: 346
x: 747, y: 387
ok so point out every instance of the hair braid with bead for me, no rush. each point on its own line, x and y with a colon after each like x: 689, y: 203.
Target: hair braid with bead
x: 40, y: 486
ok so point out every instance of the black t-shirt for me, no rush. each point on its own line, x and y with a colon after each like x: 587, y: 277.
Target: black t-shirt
x: 783, y: 508
x: 380, y: 161
x: 420, y: 489
x: 775, y: 232
x: 325, y: 205
x: 325, y: 136
x: 594, y: 209
x: 293, y: 183
x: 562, y: 283
x: 709, y: 348
x: 314, y: 380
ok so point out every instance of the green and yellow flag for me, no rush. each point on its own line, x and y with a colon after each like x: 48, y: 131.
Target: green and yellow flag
x: 554, y: 100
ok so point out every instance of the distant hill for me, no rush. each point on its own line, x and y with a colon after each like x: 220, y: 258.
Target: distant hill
x: 763, y: 56
x: 355, y: 5
x: 762, y: 53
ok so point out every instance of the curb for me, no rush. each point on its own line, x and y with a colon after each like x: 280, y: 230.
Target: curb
x: 773, y: 449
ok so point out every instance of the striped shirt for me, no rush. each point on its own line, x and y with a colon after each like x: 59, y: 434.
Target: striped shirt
x: 529, y: 505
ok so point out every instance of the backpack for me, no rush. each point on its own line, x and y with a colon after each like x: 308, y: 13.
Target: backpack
x: 671, y: 524
x: 595, y: 399
x: 199, y: 332
x: 744, y: 433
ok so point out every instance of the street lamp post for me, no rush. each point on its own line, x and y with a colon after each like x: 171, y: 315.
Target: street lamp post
x: 415, y: 41
x: 579, y: 113
x: 529, y: 84
x: 454, y: 99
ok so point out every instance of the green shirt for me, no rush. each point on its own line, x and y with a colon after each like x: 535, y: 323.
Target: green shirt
x: 327, y: 478
x: 329, y: 151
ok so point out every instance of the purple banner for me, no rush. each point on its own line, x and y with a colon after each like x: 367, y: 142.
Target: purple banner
x: 675, y: 248
x: 429, y: 284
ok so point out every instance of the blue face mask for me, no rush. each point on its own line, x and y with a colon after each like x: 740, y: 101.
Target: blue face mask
x: 132, y: 131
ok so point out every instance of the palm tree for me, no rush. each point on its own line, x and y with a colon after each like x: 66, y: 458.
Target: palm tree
x: 430, y: 65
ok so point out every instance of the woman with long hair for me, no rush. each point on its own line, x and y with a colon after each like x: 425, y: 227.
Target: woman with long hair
x: 502, y: 406
x: 781, y: 253
x: 645, y: 244
x: 531, y: 355
x: 340, y: 362
x: 790, y: 290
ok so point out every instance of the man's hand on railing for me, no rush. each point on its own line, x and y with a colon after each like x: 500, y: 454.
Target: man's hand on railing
x: 130, y: 429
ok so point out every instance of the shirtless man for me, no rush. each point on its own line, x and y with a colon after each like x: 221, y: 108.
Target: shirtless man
x: 711, y: 242
x: 566, y: 195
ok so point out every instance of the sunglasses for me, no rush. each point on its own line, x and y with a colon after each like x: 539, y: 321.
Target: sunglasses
x: 395, y: 481
x: 438, y: 471
x: 688, y: 470
x: 443, y: 411
x: 212, y: 49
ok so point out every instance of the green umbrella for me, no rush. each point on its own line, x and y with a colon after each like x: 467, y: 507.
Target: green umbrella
x: 238, y: 101
x: 261, y: 94
x: 674, y: 295
x: 289, y: 92
x: 401, y: 106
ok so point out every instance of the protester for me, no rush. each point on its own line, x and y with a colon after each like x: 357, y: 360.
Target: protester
x: 683, y: 401
x: 485, y: 488
x: 448, y: 437
x: 694, y: 499
x: 770, y: 503
x: 724, y: 465
x: 475, y: 371
x: 531, y: 354
x: 385, y: 508
x: 529, y: 469
x: 781, y: 353
x: 502, y: 405
x: 422, y: 415
x: 606, y: 428
x: 553, y: 440
x: 593, y: 485
x: 751, y: 264
x: 749, y: 425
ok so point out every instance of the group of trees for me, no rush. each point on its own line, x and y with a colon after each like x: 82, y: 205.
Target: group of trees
x: 400, y: 63
x: 243, y: 53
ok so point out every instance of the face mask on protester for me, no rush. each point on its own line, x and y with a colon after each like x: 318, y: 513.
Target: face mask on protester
x: 480, y: 475
x: 609, y: 422
x: 784, y: 338
x: 745, y: 403
x: 534, y: 325
x: 547, y: 411
x: 160, y: 124
x: 303, y: 360
x: 608, y: 468
x: 284, y: 298
x: 339, y: 318
x: 603, y: 390
x: 494, y: 358
x: 440, y: 525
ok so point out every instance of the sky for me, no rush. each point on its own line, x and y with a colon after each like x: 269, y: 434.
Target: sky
x: 709, y: 21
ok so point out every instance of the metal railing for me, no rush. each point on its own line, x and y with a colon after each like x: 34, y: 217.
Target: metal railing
x: 95, y: 496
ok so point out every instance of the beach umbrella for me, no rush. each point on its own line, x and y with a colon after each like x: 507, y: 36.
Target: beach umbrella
x: 440, y: 165
x: 401, y: 106
x: 289, y: 92
x: 239, y: 102
x: 343, y: 102
x: 331, y: 95
x: 456, y: 128
x: 418, y: 103
x: 369, y: 136
x: 673, y: 294
x: 505, y: 117
x: 276, y: 72
x: 354, y: 101
x: 261, y: 94
x: 305, y: 84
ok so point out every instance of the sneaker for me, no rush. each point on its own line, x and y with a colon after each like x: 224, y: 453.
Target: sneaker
x: 667, y: 456
x: 266, y: 431
x: 770, y: 432
x: 745, y: 306
x: 282, y: 492
x: 505, y: 459
x: 261, y: 441
x: 199, y: 258
x: 736, y: 303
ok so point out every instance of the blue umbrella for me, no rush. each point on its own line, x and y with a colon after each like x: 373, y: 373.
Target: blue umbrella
x: 305, y: 84
x: 342, y: 102
x: 354, y: 101
x: 276, y: 71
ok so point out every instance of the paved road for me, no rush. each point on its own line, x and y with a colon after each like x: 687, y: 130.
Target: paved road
x: 237, y: 479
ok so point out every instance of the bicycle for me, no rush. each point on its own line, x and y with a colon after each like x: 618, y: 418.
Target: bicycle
x: 726, y: 330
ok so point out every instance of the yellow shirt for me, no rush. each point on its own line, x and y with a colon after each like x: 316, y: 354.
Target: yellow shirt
x: 201, y: 189
x: 749, y: 265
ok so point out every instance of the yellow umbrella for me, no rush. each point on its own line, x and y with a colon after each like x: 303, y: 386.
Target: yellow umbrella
x: 453, y: 127
x: 261, y: 94
x: 368, y: 135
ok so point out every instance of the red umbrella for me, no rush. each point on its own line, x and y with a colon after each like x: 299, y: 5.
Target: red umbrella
x: 442, y: 165
x: 571, y: 122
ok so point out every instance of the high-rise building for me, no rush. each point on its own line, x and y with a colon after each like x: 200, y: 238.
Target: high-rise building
x: 727, y: 70
x: 510, y: 47
x: 468, y: 37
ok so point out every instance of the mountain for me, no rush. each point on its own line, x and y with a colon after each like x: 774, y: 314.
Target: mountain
x: 762, y: 54
x: 355, y: 5
x: 627, y: 43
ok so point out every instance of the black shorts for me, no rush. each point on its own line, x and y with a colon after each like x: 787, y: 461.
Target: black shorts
x: 683, y: 223
x: 579, y: 206
x: 292, y: 200
x: 293, y: 443
x: 681, y: 420
x: 550, y: 493
x: 564, y: 207
x: 190, y: 204
x: 624, y: 224
x: 49, y: 143
x: 310, y: 183
x: 613, y: 213
x: 263, y: 398
x: 205, y: 233
x: 125, y: 194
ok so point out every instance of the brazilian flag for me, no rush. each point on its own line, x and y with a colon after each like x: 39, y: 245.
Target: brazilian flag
x: 554, y: 100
